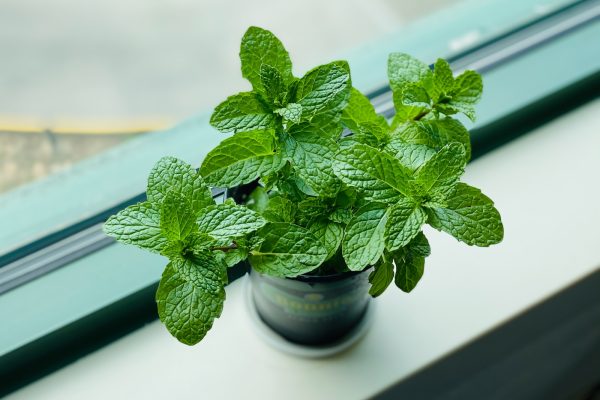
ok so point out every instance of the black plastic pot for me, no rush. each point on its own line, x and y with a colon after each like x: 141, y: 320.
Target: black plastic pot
x: 312, y: 310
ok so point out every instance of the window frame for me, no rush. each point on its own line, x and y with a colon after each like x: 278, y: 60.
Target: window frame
x: 120, y: 297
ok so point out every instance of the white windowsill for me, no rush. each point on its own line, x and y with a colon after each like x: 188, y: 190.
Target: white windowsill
x: 546, y: 187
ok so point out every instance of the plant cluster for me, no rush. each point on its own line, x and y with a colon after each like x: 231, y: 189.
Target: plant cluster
x: 326, y: 201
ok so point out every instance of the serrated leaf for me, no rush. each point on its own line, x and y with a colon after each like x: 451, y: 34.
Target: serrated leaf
x: 273, y: 88
x: 406, y: 113
x: 434, y: 133
x: 138, y: 224
x: 259, y: 46
x: 467, y: 92
x: 190, y: 296
x: 469, y: 216
x: 312, y: 207
x: 177, y: 217
x: 360, y: 113
x: 234, y: 257
x: 241, y: 159
x: 322, y: 88
x: 287, y: 250
x: 346, y: 197
x: 443, y: 79
x: 411, y: 103
x: 404, y: 69
x: 228, y: 221
x: 340, y: 100
x: 258, y: 200
x: 420, y: 245
x: 229, y: 251
x: 409, y: 270
x: 292, y: 112
x: 341, y: 216
x: 329, y: 233
x: 380, y: 278
x: 242, y: 112
x: 311, y: 157
x: 412, y: 95
x: 279, y: 209
x: 438, y: 176
x: 404, y: 223
x: 363, y: 137
x: 410, y: 155
x: 326, y: 124
x: 170, y: 174
x: 363, y: 241
x: 378, y: 175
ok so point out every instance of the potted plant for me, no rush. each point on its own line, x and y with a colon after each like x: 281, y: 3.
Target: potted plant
x: 331, y: 218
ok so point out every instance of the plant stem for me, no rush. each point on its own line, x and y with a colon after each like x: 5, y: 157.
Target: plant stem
x: 232, y: 246
x: 421, y: 115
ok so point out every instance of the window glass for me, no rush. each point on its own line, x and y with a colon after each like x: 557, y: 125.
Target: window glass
x: 81, y: 77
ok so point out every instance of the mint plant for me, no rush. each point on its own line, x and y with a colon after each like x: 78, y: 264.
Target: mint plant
x: 324, y: 201
x: 181, y: 221
x: 410, y: 173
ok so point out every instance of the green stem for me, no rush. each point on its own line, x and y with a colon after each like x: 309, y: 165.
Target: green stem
x: 421, y: 115
x: 232, y: 246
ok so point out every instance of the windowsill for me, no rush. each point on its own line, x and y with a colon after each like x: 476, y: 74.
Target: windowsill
x: 547, y: 199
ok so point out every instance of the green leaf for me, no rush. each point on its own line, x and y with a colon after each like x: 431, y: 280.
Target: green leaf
x: 434, y: 133
x: 467, y: 92
x: 404, y: 223
x: 241, y: 159
x: 311, y: 157
x: 441, y: 172
x: 443, y: 80
x: 414, y: 97
x: 292, y: 112
x: 404, y: 69
x: 378, y: 175
x: 279, y: 209
x: 258, y: 200
x: 319, y: 89
x: 341, y: 216
x: 412, y: 103
x: 242, y: 112
x: 177, y: 217
x: 224, y: 221
x: 138, y: 224
x: 410, y: 155
x: 329, y: 233
x: 234, y: 257
x: 312, y: 207
x: 287, y: 250
x: 302, y: 185
x: 326, y: 124
x: 259, y: 46
x: 409, y: 270
x: 469, y: 216
x: 230, y: 251
x: 170, y: 174
x: 340, y: 100
x: 190, y: 296
x: 360, y: 112
x: 380, y: 278
x: 420, y: 245
x: 273, y: 88
x: 363, y: 241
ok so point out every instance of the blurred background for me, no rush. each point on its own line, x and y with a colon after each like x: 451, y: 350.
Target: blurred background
x: 79, y: 77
